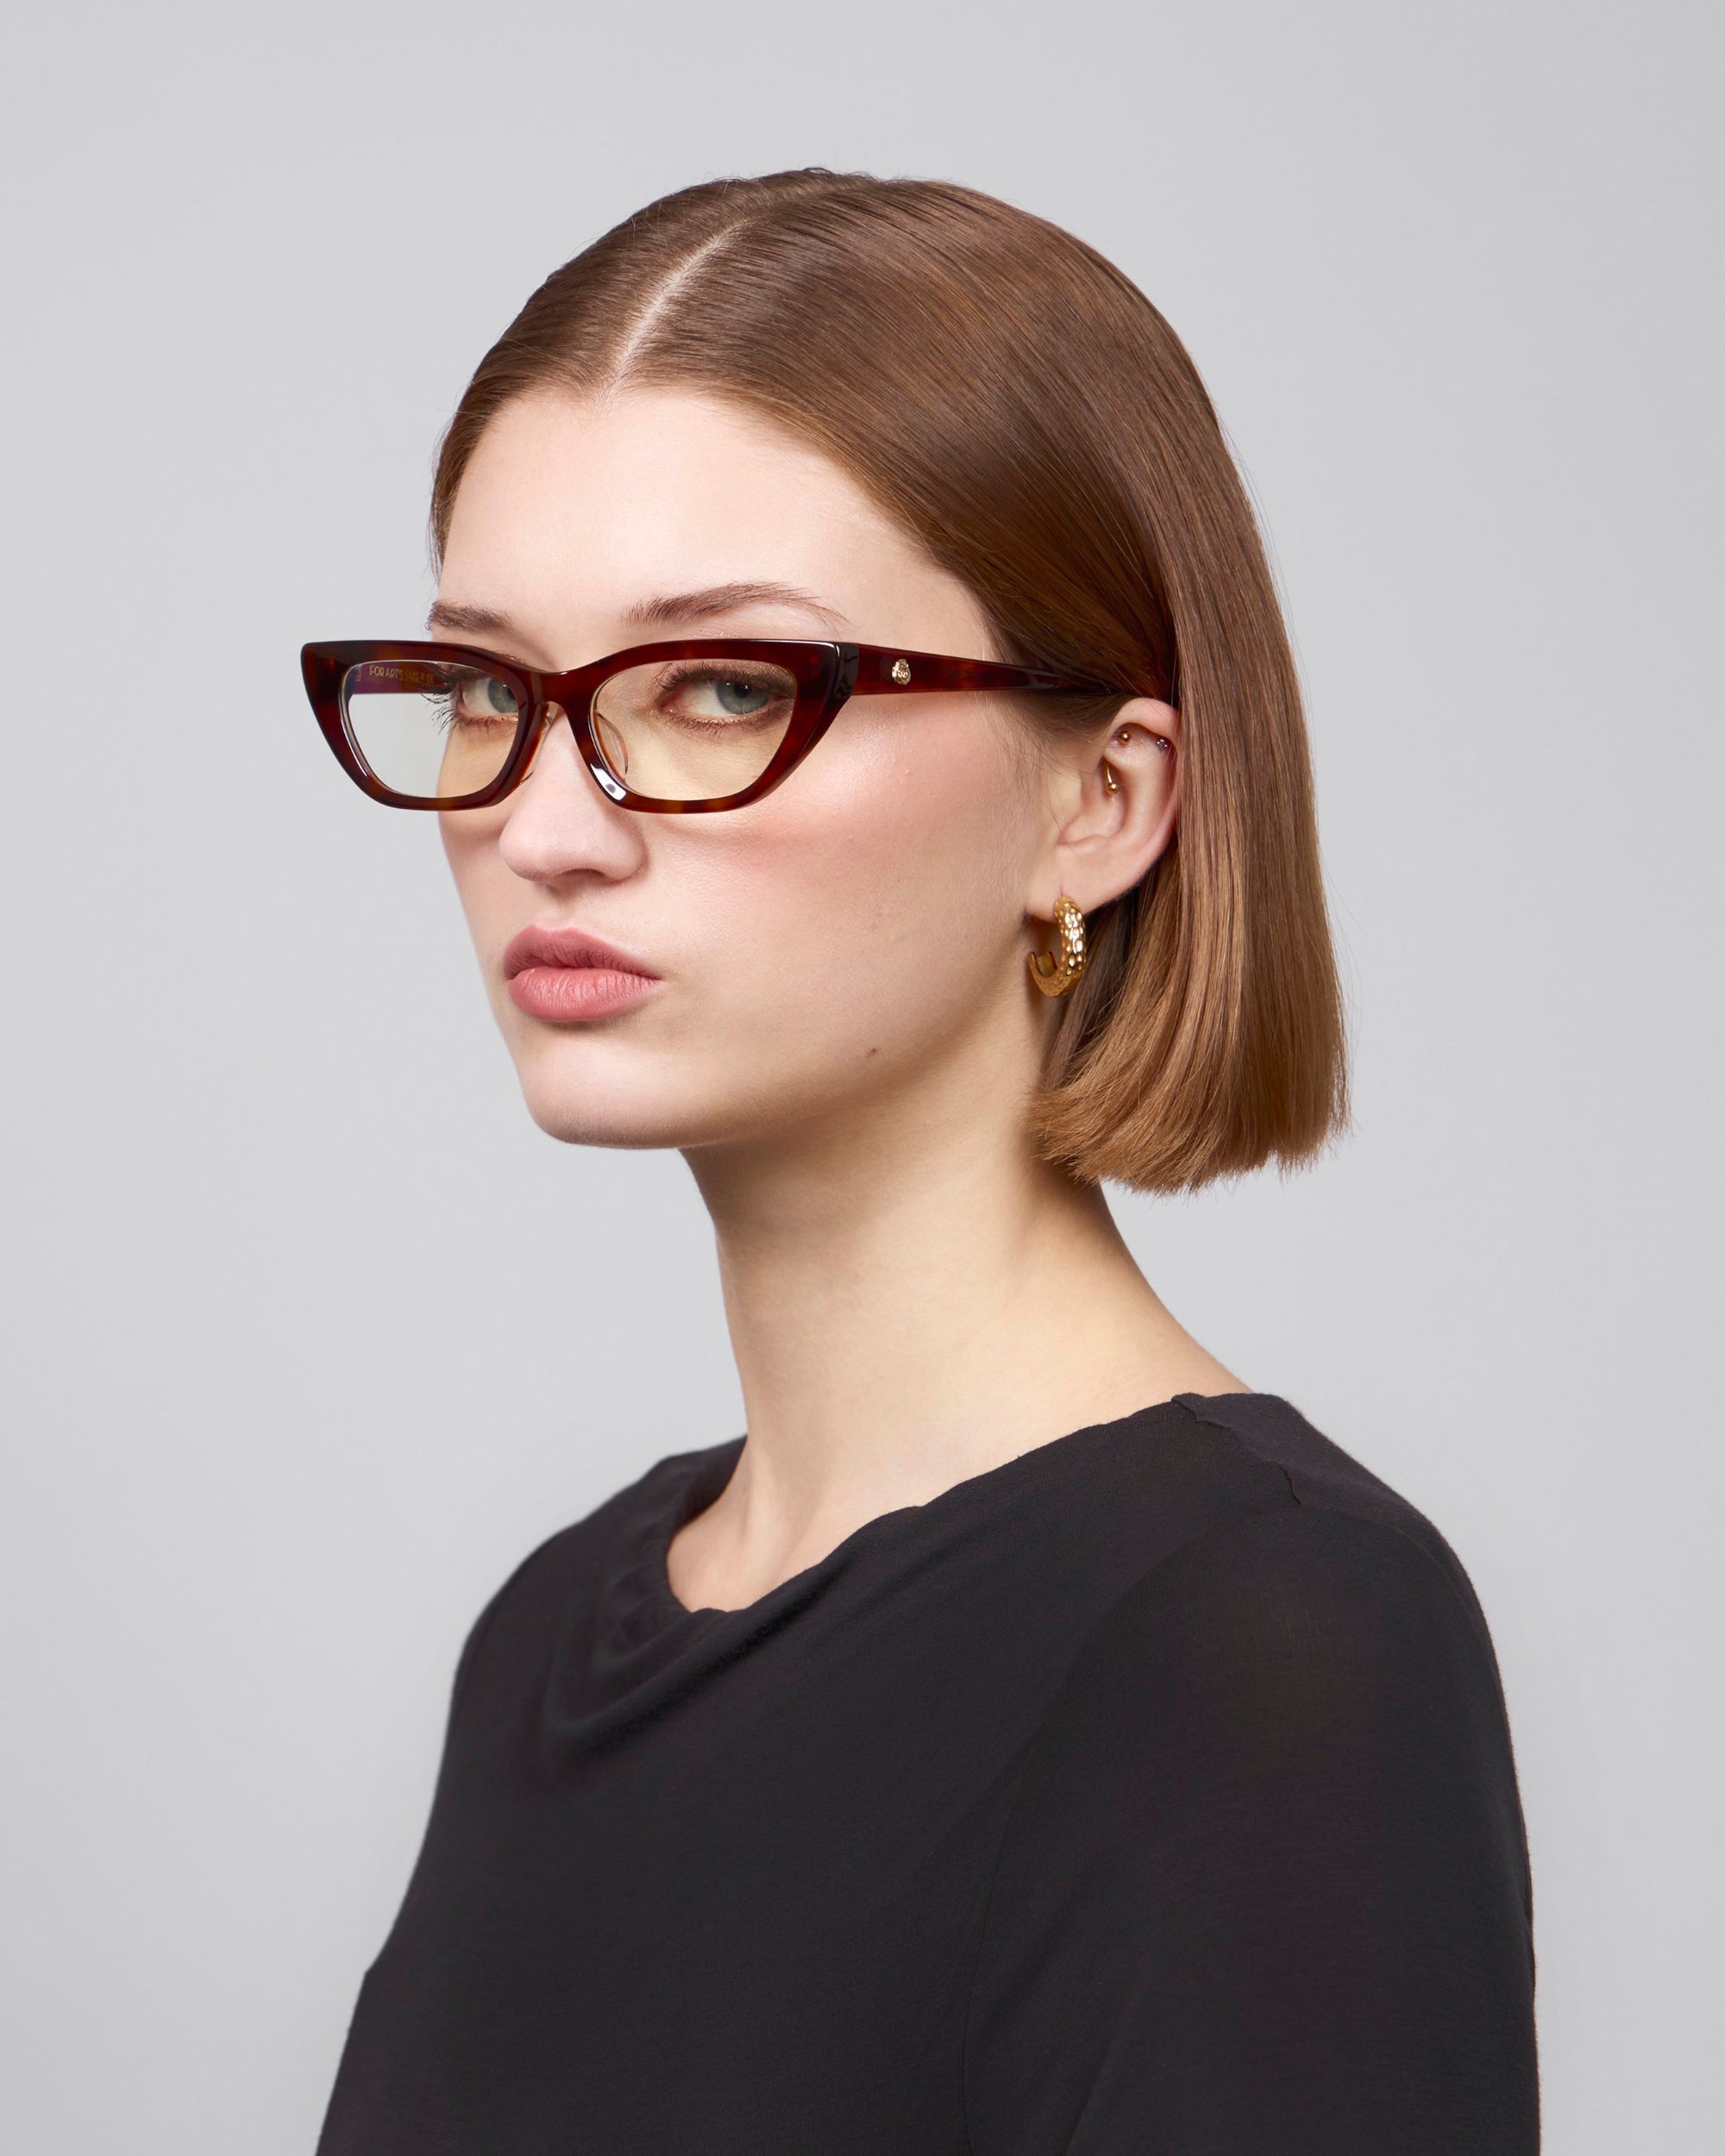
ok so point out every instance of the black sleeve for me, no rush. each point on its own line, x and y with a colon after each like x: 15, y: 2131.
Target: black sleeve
x: 1264, y: 1889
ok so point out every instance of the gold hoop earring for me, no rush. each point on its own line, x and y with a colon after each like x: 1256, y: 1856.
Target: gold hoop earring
x: 1059, y: 975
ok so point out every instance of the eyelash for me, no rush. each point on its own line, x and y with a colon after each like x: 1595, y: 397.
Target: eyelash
x: 443, y: 705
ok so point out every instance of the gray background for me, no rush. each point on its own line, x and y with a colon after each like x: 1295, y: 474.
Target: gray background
x: 310, y: 1334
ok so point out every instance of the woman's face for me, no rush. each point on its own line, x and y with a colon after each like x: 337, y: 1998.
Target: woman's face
x: 839, y: 939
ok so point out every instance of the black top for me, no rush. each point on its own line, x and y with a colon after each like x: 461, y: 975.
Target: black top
x: 1150, y: 1793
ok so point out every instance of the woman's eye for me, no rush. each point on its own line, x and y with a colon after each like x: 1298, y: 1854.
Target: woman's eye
x: 712, y: 699
x: 482, y: 700
x: 741, y: 699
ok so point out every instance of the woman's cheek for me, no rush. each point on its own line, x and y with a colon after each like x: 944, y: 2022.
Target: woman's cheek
x: 882, y: 902
x: 482, y: 883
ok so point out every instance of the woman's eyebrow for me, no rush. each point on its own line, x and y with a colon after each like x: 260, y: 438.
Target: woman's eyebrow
x: 726, y: 598
x: 474, y: 620
x: 671, y: 610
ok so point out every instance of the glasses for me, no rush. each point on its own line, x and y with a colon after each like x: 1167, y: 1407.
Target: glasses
x: 670, y: 729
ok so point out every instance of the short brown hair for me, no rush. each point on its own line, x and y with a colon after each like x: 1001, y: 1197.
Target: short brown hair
x: 1017, y: 403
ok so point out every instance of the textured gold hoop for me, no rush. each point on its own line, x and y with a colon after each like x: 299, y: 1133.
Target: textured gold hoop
x: 1060, y: 975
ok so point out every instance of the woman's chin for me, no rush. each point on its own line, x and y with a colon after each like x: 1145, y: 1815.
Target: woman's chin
x: 598, y: 1122
x: 634, y: 1118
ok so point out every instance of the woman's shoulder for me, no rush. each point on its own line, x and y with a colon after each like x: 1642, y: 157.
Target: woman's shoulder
x: 1312, y: 1642
x: 1327, y: 1500
x: 1296, y: 1570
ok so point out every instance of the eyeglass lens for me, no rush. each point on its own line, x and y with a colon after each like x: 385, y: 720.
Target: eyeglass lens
x: 430, y: 728
x: 694, y: 730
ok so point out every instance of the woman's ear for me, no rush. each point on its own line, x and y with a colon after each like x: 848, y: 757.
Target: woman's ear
x: 1117, y: 800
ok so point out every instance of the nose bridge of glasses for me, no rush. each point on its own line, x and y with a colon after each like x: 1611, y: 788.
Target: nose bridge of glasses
x: 563, y: 704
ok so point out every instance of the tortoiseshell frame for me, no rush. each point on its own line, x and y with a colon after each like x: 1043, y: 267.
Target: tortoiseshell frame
x: 827, y: 676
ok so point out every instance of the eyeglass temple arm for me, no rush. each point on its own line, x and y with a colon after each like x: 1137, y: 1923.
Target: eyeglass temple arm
x: 883, y: 672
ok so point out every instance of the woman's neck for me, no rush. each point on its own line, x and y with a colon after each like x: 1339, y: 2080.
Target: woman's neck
x: 913, y: 1299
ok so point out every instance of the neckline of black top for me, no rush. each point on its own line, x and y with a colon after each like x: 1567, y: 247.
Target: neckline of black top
x: 651, y: 1650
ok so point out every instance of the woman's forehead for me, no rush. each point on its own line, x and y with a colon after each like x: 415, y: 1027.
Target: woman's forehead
x: 648, y: 511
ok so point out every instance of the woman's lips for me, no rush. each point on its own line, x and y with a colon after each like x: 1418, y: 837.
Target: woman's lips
x: 562, y: 974
x: 576, y: 992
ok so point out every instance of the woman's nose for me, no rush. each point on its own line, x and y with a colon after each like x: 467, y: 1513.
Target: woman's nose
x: 560, y: 823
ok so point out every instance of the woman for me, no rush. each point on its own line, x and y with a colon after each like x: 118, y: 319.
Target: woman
x: 870, y: 755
